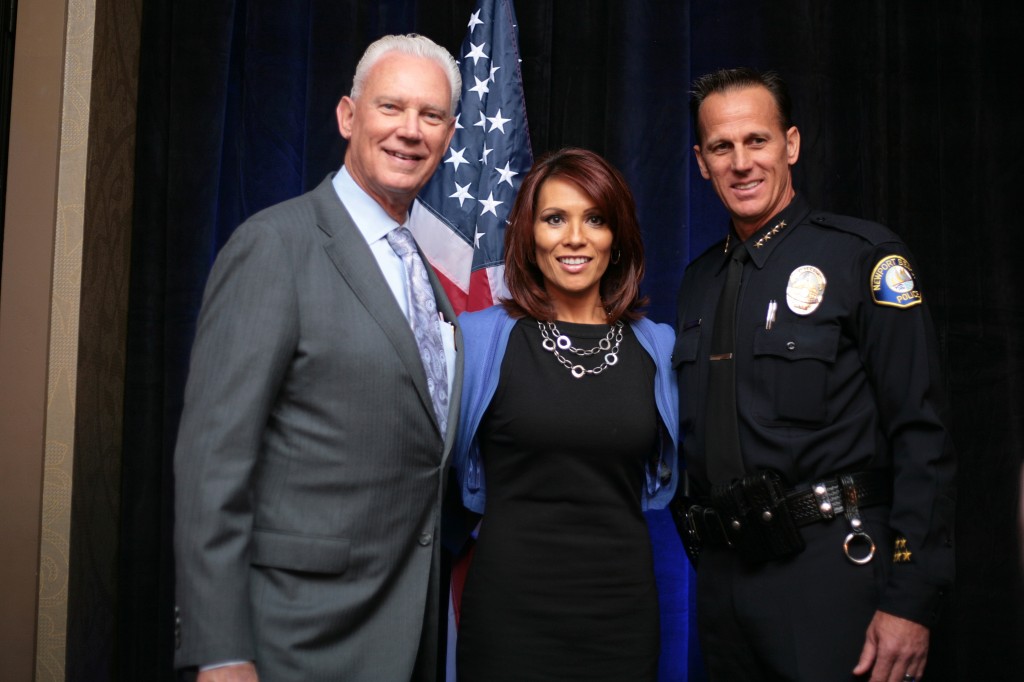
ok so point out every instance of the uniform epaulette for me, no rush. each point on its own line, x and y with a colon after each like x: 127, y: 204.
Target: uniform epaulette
x: 875, y: 233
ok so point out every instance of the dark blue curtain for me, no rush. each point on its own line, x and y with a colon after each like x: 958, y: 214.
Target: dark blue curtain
x: 907, y: 115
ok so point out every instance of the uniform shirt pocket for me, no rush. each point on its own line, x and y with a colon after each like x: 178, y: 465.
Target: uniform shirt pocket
x: 793, y: 362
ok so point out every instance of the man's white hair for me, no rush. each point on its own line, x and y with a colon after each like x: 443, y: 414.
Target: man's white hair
x: 412, y: 44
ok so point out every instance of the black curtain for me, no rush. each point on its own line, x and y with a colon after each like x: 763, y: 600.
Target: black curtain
x: 906, y: 112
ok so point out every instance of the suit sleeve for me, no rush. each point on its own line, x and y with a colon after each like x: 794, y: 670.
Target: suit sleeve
x: 245, y: 340
x: 900, y: 354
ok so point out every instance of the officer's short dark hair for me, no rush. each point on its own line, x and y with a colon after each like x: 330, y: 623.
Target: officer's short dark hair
x: 734, y: 79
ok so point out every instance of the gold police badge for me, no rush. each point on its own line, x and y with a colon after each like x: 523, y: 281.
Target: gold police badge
x: 805, y: 290
x: 893, y: 284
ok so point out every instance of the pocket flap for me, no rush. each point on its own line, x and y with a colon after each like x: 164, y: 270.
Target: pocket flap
x: 685, y: 349
x: 314, y: 554
x: 798, y: 341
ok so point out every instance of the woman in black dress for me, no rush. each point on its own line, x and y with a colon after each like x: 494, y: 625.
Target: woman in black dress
x: 568, y: 432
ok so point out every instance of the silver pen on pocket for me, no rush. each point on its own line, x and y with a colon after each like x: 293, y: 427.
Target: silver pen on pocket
x: 769, y: 318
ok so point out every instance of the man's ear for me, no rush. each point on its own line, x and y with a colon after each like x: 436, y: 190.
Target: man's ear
x: 700, y: 162
x: 792, y: 145
x: 346, y: 112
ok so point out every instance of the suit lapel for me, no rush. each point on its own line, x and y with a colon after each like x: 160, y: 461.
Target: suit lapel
x: 357, y: 266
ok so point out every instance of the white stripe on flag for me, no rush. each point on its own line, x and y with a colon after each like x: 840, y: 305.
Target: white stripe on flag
x: 447, y: 252
x: 496, y: 278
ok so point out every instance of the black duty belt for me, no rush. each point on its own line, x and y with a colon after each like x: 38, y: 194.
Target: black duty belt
x: 760, y: 518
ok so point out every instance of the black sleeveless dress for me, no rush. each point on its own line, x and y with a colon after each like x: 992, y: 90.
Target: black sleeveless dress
x: 561, y: 585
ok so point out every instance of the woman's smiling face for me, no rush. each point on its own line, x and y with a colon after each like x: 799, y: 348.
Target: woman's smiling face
x: 573, y: 242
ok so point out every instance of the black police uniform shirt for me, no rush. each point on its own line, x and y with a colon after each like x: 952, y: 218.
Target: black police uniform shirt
x: 836, y: 372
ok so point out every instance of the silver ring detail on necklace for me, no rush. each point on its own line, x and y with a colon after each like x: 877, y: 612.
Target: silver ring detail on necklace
x: 611, y: 343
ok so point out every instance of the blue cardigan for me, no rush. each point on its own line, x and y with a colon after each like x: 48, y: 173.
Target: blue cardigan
x: 485, y: 336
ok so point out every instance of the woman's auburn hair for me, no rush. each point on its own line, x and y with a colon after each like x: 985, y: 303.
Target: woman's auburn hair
x: 607, y: 188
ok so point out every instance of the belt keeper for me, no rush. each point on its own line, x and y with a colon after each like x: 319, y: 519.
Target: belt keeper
x: 821, y: 498
x: 857, y: 531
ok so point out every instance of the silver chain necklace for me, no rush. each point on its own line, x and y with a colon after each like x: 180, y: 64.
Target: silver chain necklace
x: 563, y: 342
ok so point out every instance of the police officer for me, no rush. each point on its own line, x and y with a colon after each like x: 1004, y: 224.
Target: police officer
x: 821, y: 471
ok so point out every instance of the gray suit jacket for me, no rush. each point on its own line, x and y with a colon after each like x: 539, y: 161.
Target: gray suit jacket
x: 309, y: 466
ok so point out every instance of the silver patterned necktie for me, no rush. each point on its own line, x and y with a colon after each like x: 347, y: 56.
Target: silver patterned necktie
x: 425, y: 322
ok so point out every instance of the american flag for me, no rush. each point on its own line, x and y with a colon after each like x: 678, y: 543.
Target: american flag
x: 459, y: 221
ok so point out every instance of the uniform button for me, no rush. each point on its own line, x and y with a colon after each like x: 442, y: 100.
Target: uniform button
x: 426, y: 539
x: 791, y: 345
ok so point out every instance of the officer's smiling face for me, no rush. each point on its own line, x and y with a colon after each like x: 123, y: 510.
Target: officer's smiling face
x: 747, y: 155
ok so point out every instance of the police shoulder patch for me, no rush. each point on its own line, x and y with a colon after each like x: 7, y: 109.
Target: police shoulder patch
x: 893, y: 284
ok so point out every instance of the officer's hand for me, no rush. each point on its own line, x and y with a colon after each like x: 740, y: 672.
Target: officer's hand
x: 894, y: 647
x: 240, y: 672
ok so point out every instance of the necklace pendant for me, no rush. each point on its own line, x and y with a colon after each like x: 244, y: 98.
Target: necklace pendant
x: 611, y: 358
x: 548, y: 344
x: 563, y: 342
x: 578, y: 371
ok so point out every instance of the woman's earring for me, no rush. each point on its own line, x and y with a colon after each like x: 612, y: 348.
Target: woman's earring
x: 618, y: 257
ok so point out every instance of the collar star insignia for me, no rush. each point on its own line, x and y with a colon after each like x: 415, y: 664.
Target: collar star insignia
x: 769, y: 234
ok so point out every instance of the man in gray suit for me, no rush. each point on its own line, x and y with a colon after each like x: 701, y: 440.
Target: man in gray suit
x: 311, y: 455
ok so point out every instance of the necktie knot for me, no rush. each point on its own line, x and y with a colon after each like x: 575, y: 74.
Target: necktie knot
x: 401, y: 241
x: 740, y: 254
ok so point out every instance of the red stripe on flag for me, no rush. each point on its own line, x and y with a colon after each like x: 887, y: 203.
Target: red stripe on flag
x: 480, y: 295
x: 460, y: 568
x: 456, y: 296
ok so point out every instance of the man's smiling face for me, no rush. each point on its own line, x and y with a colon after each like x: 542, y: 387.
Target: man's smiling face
x: 747, y: 155
x: 398, y: 129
